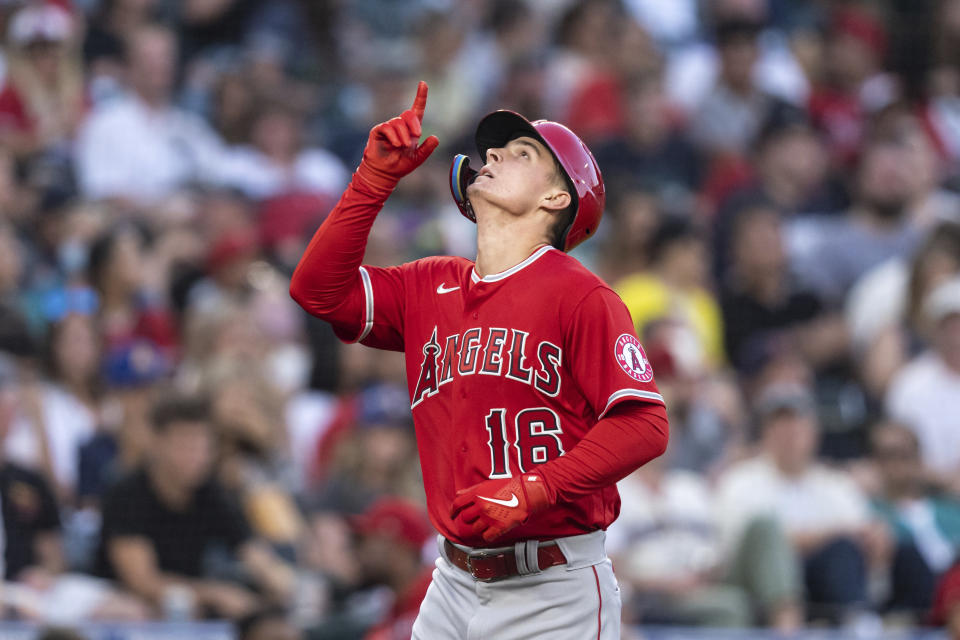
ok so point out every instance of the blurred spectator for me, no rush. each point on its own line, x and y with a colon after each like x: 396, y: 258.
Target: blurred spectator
x: 822, y: 514
x: 676, y: 286
x: 159, y: 522
x: 635, y: 212
x: 117, y: 267
x: 13, y: 321
x: 942, y: 111
x: 878, y: 225
x: 655, y: 147
x: 512, y: 34
x: 104, y: 47
x: 56, y: 418
x: 445, y: 64
x: 233, y: 105
x: 925, y: 395
x: 667, y: 549
x: 276, y: 162
x: 254, y: 458
x: 391, y: 535
x: 764, y: 312
x: 788, y: 170
x: 42, y: 102
x: 583, y: 46
x: 853, y: 85
x: 729, y: 117
x: 705, y: 411
x: 926, y: 527
x: 130, y: 374
x: 884, y: 311
x: 229, y: 263
x: 140, y: 149
x: 35, y: 582
x: 598, y: 107
x: 371, y: 455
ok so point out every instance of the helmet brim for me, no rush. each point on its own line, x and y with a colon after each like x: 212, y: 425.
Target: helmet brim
x: 498, y: 128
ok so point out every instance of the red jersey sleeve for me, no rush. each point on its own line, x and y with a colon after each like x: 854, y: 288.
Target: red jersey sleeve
x: 380, y: 300
x: 362, y: 304
x: 606, y: 358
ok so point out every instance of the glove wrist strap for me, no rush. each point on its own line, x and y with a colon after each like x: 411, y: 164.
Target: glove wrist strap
x: 374, y: 182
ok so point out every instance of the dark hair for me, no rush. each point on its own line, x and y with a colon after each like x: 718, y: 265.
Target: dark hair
x: 730, y: 30
x: 673, y: 230
x: 560, y: 227
x: 944, y: 238
x: 177, y: 406
x: 101, y: 251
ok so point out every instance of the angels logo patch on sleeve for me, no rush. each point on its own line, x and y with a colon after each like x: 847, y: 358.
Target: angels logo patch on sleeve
x: 632, y: 359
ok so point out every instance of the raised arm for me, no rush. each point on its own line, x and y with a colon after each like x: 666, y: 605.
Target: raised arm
x: 327, y: 281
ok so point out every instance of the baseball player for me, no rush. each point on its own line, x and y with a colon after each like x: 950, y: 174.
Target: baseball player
x: 530, y: 392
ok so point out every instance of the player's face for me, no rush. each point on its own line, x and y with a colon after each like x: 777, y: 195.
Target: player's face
x: 519, y: 177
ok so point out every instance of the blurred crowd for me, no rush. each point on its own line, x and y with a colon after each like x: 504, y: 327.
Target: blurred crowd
x: 178, y: 440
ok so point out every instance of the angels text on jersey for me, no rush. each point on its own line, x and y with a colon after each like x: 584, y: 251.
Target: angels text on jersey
x: 492, y: 351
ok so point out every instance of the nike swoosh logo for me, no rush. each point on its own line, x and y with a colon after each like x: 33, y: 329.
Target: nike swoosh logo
x: 443, y: 289
x: 512, y: 502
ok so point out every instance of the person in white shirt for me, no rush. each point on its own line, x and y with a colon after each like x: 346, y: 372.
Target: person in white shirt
x: 823, y: 515
x: 925, y: 395
x: 140, y: 148
x: 666, y: 547
x: 276, y: 161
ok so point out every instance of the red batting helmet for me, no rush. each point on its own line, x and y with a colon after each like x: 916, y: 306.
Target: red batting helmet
x: 579, y: 167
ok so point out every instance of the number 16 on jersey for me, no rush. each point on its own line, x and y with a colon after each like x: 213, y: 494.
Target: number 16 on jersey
x: 535, y: 437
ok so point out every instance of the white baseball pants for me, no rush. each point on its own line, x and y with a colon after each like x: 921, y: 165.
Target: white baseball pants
x: 577, y: 601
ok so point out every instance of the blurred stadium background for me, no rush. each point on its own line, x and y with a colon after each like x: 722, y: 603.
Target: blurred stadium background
x: 181, y: 445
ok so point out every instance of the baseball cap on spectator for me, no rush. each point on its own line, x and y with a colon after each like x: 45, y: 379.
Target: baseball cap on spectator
x: 943, y: 301
x: 861, y: 25
x: 383, y: 404
x: 135, y: 365
x: 40, y: 23
x: 396, y: 519
x: 784, y: 398
x: 58, y: 303
x: 230, y: 247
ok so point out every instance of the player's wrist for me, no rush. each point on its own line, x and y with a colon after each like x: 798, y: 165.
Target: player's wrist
x: 373, y: 182
x: 536, y: 488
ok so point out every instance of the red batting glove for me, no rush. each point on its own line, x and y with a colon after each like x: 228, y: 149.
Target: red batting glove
x: 494, y: 507
x: 392, y: 150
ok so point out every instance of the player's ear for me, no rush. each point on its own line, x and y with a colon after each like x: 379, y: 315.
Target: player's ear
x: 555, y: 200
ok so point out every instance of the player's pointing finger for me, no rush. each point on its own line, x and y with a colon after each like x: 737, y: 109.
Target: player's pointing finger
x: 420, y: 102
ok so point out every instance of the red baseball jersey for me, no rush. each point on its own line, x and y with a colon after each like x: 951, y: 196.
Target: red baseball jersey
x: 505, y: 372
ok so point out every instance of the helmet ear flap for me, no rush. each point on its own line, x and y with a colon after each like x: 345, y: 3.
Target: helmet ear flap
x: 461, y: 175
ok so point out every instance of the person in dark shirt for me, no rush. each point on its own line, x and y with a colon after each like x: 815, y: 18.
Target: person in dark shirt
x: 160, y: 521
x: 764, y: 312
x: 32, y: 559
x: 653, y: 148
x: 31, y: 524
